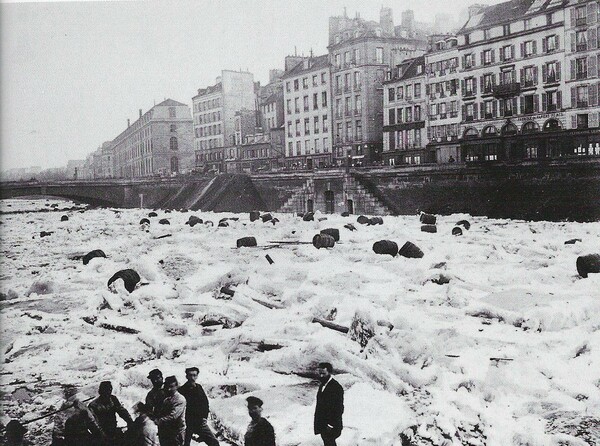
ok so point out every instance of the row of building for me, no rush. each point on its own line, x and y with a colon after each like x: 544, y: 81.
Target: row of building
x: 520, y: 80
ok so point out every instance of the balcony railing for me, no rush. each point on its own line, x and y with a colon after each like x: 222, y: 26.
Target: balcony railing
x: 551, y: 79
x: 507, y: 90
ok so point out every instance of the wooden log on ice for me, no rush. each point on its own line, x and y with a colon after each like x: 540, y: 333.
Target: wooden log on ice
x: 330, y: 325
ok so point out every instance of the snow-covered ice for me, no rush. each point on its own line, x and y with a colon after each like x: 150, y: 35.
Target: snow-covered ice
x: 506, y: 353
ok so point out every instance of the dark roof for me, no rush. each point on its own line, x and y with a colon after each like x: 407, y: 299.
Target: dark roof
x: 169, y: 103
x: 510, y: 11
x: 315, y: 63
x: 209, y: 90
x: 272, y: 98
x: 409, y: 68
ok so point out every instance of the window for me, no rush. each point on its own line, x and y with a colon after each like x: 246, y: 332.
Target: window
x: 433, y: 110
x: 173, y: 143
x: 305, y: 83
x: 550, y: 44
x: 347, y: 58
x: 486, y: 34
x: 338, y: 60
x: 347, y: 82
x: 408, y: 114
x: 392, y: 94
x: 417, y: 90
x: 467, y: 39
x: 307, y: 146
x: 173, y: 127
x: 488, y: 109
x: 582, y: 96
x: 358, y: 130
x: 288, y: 87
x: 409, y: 91
x: 442, y: 110
x: 325, y: 144
x: 337, y: 39
x: 289, y: 129
x: 323, y: 78
x: 315, y: 79
x: 469, y: 60
x: 399, y: 115
x: 358, y: 105
x: 357, y: 80
x: 529, y: 76
x: 348, y: 130
x: 507, y: 77
x: 298, y: 148
x: 527, y: 24
x: 379, y: 55
x: 470, y: 86
x: 400, y: 93
x: 316, y: 125
x: 324, y: 99
x: 487, y: 57
x: 581, y: 68
x: 391, y: 116
x: 506, y: 52
x: 488, y: 83
x: 580, y: 15
x: 315, y: 101
x: 305, y: 102
x: 296, y: 84
x: 548, y: 19
x: 470, y: 112
x: 506, y: 29
x: 338, y: 108
x: 356, y: 56
x: 528, y: 104
x: 582, y: 121
x: 580, y: 41
x: 297, y: 127
x: 551, y: 101
x: 297, y: 105
x: 317, y: 150
x: 172, y: 113
x: 325, y: 124
x: 528, y: 48
x: 347, y: 106
x: 417, y: 112
x: 289, y: 106
x: 509, y: 106
x: 306, y: 126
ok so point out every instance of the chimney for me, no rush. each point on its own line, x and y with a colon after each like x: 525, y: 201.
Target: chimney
x: 386, y: 20
x: 140, y: 112
x: 128, y: 123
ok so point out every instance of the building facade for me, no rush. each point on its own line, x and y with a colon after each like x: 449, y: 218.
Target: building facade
x: 215, y: 107
x: 525, y: 93
x: 307, y: 98
x: 443, y: 93
x: 160, y: 142
x: 361, y: 52
x: 405, y: 115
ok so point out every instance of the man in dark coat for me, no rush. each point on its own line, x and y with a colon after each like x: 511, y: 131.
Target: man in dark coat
x: 330, y: 406
x: 170, y: 417
x: 260, y: 432
x: 196, y: 411
x: 105, y: 409
x: 156, y: 395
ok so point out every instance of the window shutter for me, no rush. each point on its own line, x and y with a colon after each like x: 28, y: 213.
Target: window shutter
x: 592, y: 36
x: 427, y: 89
x: 573, y: 43
x: 482, y: 58
x: 535, y: 47
x: 493, y: 55
x: 512, y: 51
x: 573, y: 74
x: 573, y: 17
x: 494, y: 109
x: 522, y: 109
x: 501, y: 54
x: 535, y: 75
x: 593, y: 95
x: 501, y: 102
x: 544, y: 73
x: 592, y: 66
x: 544, y: 101
x: 573, y: 97
x: 592, y: 12
x: 558, y: 72
x: 573, y: 121
x: 536, y: 103
x: 556, y: 42
x: 481, y: 83
x: 493, y: 79
x: 463, y: 86
x: 559, y: 100
x: 482, y: 109
x: 522, y: 75
x: 464, y: 113
x: 522, y: 49
x: 544, y: 46
x: 514, y: 104
x: 475, y: 86
x: 475, y: 117
x: 594, y: 119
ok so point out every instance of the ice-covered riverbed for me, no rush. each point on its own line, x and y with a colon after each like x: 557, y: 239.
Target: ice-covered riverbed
x: 506, y: 353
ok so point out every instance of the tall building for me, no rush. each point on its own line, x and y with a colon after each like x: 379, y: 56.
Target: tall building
x: 405, y: 114
x: 360, y: 53
x: 519, y: 97
x: 214, y: 109
x: 160, y: 141
x: 443, y: 92
x: 582, y: 38
x: 307, y: 97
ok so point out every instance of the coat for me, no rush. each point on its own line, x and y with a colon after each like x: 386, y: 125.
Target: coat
x: 196, y: 403
x: 144, y: 432
x: 154, y: 399
x: 329, y: 409
x: 105, y: 412
x: 260, y: 434
x: 171, y: 416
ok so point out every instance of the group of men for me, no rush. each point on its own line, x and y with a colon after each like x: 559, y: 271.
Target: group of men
x: 173, y: 415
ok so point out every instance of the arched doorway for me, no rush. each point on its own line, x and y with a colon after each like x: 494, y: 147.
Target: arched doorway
x: 329, y: 202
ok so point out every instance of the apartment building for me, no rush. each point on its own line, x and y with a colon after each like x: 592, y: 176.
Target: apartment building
x: 160, y: 141
x: 214, y: 108
x: 443, y: 93
x: 307, y: 97
x: 361, y: 52
x: 404, y: 118
x: 582, y: 60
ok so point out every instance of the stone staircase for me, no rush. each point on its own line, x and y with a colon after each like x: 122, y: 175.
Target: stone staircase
x: 363, y: 201
x: 297, y: 202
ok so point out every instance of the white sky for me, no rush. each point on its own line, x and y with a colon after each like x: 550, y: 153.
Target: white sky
x: 73, y: 72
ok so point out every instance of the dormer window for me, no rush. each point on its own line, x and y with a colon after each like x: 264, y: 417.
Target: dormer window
x: 337, y: 39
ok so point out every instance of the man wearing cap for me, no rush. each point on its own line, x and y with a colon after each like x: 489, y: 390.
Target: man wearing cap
x: 330, y: 406
x: 170, y: 416
x: 156, y: 395
x: 105, y: 408
x: 196, y: 411
x: 260, y: 432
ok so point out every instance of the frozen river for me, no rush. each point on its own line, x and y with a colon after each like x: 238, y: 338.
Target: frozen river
x: 492, y: 338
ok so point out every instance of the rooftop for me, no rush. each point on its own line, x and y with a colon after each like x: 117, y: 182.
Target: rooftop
x: 509, y: 12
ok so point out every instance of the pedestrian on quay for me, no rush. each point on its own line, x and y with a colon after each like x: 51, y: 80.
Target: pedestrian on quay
x: 330, y: 406
x: 105, y: 409
x: 259, y: 432
x: 156, y: 395
x: 196, y: 412
x: 170, y: 416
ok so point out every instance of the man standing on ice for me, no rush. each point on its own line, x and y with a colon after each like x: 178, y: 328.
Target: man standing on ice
x: 105, y: 408
x: 260, y: 432
x: 156, y: 395
x: 330, y: 406
x: 170, y: 418
x: 196, y: 411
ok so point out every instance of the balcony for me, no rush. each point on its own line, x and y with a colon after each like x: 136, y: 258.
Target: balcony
x: 443, y: 116
x: 507, y: 90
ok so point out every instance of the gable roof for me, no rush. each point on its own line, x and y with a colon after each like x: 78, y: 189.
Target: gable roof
x: 169, y: 103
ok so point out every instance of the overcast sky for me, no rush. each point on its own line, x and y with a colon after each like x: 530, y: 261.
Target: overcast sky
x: 72, y: 73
